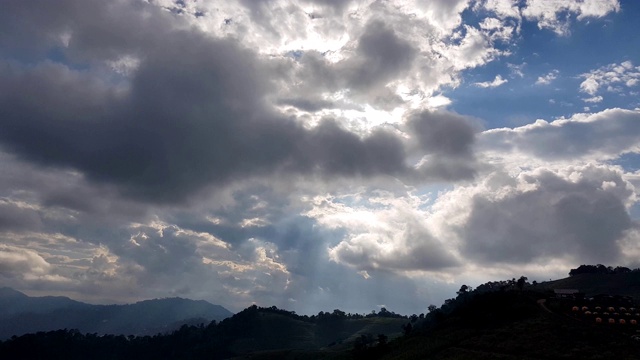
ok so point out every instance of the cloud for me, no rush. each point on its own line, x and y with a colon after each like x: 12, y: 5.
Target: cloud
x: 611, y: 75
x: 194, y: 114
x: 301, y: 154
x: 161, y: 141
x: 553, y: 15
x: 384, y: 232
x: 595, y: 99
x: 516, y: 70
x: 547, y: 79
x: 579, y: 213
x: 548, y: 14
x: 503, y: 9
x: 498, y: 30
x: 21, y: 263
x: 448, y: 139
x: 443, y: 133
x: 381, y: 55
x: 16, y: 215
x: 600, y: 136
x: 491, y: 84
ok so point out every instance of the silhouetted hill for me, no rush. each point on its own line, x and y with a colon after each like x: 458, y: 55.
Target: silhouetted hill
x: 627, y: 284
x: 13, y: 302
x: 268, y: 329
x: 513, y: 325
x: 508, y: 319
x: 254, y: 332
x: 21, y: 314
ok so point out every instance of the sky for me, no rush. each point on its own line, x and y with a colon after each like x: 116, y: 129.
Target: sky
x: 314, y: 154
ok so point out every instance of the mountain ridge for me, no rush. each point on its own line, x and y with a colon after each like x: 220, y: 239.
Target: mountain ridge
x: 22, y: 314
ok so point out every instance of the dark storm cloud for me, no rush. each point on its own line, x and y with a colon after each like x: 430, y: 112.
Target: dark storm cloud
x: 378, y: 57
x: 193, y: 114
x: 447, y: 139
x: 188, y: 121
x: 95, y: 29
x: 582, y: 219
x: 443, y: 133
x: 336, y: 152
x: 160, y: 253
x: 14, y: 217
x: 381, y: 55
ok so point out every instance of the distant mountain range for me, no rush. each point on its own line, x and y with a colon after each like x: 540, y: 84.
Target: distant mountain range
x: 22, y: 314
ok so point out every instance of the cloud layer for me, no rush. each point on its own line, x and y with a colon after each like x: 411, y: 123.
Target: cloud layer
x: 304, y: 154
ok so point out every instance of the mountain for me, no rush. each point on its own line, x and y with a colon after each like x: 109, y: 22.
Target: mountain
x: 21, y: 314
x: 13, y: 302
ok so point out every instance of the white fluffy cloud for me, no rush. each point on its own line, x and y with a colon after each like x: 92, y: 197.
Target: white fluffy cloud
x: 616, y: 77
x: 583, y: 137
x: 491, y: 84
x: 548, y: 13
x: 385, y: 232
x: 548, y: 78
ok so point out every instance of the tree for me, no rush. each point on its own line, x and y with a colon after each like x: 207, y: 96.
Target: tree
x: 406, y: 329
x: 521, y: 282
x: 621, y: 270
x: 339, y: 313
x: 432, y: 308
x: 463, y: 290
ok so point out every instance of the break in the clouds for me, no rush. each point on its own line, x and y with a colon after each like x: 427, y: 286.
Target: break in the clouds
x: 313, y: 154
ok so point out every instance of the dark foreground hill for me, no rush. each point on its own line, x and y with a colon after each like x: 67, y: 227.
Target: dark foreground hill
x: 499, y: 320
x: 506, y: 324
x: 253, y: 332
x: 627, y: 284
x: 21, y: 314
x: 512, y: 325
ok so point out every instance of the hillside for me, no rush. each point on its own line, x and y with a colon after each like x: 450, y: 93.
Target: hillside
x: 498, y: 320
x: 21, y: 314
x: 627, y: 284
x: 268, y: 332
x: 512, y: 325
x: 256, y: 333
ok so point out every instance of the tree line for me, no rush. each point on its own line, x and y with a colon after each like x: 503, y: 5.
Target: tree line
x: 600, y: 269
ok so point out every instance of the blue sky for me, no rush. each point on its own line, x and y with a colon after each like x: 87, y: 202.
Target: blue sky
x: 590, y: 44
x: 314, y: 154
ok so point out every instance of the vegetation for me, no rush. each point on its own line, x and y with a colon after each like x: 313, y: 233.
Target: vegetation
x: 600, y: 269
x: 252, y: 330
x: 508, y: 319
